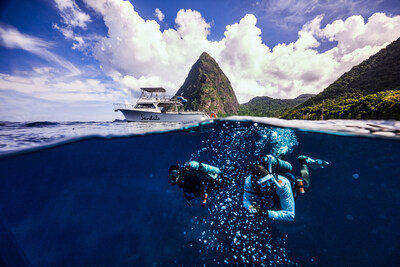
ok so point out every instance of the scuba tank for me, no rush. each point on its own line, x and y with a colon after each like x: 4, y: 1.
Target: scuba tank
x: 279, y: 166
x: 283, y: 166
x: 194, y: 165
x: 275, y: 165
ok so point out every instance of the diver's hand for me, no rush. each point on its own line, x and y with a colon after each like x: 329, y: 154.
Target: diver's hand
x: 252, y: 210
x: 255, y: 209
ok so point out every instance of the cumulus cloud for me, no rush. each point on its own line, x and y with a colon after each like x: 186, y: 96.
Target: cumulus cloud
x: 138, y: 49
x: 159, y: 15
x: 13, y: 39
x: 284, y: 71
x: 356, y: 39
x: 137, y: 53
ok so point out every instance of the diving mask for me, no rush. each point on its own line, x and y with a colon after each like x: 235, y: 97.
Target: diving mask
x: 173, y: 176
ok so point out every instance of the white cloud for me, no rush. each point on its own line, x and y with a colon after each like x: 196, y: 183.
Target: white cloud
x: 137, y: 53
x: 50, y: 87
x: 358, y: 40
x: 71, y: 14
x: 159, y: 15
x: 190, y: 24
x: 22, y: 107
x: 73, y: 17
x: 285, y: 71
x: 13, y: 39
x: 80, y: 42
x: 138, y: 48
x: 52, y: 83
x: 47, y: 93
x: 48, y: 84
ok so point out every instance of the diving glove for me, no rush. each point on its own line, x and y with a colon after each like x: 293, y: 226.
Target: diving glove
x: 314, y: 164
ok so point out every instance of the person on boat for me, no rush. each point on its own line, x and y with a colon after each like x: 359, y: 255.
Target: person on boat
x: 271, y: 189
x: 199, y: 179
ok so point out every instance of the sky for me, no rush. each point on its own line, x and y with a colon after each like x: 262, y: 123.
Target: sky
x: 70, y: 60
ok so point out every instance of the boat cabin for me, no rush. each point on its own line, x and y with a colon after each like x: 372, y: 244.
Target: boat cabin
x: 153, y: 99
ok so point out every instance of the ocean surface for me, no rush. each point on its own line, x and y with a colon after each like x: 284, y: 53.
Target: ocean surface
x: 97, y: 194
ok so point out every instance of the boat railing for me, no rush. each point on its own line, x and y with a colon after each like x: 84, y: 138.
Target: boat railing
x: 123, y: 106
x: 158, y: 99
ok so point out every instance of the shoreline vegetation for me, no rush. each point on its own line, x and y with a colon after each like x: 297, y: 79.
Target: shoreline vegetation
x: 384, y: 105
x: 380, y: 106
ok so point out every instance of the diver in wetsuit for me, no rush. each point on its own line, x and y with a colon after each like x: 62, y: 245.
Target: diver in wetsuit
x: 199, y: 179
x: 271, y: 189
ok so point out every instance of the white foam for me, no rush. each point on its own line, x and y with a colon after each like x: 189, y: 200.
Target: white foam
x: 352, y: 127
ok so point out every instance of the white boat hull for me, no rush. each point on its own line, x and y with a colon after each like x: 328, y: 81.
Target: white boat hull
x: 145, y: 116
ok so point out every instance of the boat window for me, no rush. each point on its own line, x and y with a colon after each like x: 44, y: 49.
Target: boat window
x: 145, y: 106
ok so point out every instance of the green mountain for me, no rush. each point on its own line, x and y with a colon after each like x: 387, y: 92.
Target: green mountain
x: 380, y: 72
x: 265, y: 106
x: 383, y: 105
x: 207, y: 88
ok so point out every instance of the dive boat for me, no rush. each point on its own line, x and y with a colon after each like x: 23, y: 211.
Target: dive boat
x: 153, y: 106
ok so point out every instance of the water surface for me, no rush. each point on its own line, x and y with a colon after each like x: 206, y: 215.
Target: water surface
x: 105, y: 200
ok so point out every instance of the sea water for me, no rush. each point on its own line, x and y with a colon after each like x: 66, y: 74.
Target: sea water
x: 90, y: 194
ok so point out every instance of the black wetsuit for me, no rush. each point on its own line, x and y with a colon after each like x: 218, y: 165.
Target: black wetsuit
x: 197, y: 183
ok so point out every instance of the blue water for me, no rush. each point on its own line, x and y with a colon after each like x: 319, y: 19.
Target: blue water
x: 104, y: 200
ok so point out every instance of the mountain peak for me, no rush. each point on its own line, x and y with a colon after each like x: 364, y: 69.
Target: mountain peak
x: 205, y: 56
x: 207, y: 88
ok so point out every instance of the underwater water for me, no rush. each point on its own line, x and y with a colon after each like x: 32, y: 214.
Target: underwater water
x: 106, y: 201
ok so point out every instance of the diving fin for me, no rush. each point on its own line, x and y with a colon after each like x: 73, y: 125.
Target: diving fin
x: 314, y: 164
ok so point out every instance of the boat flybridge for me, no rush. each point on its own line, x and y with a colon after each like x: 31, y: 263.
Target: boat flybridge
x: 153, y: 106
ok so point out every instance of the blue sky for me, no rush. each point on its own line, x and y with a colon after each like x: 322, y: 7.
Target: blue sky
x: 71, y: 60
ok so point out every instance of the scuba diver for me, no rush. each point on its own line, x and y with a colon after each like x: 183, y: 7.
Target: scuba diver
x: 271, y: 189
x: 199, y: 179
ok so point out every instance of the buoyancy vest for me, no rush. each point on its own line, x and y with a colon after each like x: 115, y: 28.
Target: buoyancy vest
x: 269, y: 198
